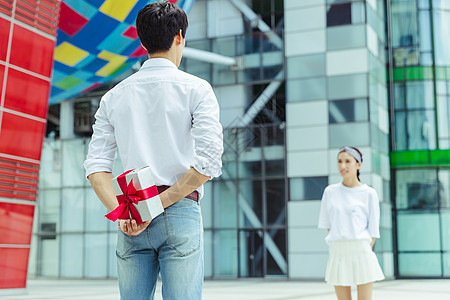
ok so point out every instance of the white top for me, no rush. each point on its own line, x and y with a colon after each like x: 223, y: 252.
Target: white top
x: 159, y: 117
x: 350, y: 213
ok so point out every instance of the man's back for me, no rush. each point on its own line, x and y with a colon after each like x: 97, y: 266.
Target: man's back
x: 155, y: 117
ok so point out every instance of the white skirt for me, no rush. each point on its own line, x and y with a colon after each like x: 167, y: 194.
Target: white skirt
x: 352, y: 262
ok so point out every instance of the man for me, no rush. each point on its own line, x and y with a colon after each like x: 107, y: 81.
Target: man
x: 169, y: 120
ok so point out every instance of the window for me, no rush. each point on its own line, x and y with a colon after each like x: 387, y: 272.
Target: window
x: 356, y: 134
x: 443, y: 111
x: 353, y: 110
x: 444, y: 191
x: 414, y: 116
x: 347, y: 86
x: 441, y: 20
x: 352, y: 12
x: 404, y: 23
x: 306, y: 89
x: 339, y: 14
x: 307, y: 188
x: 423, y: 219
x: 416, y: 189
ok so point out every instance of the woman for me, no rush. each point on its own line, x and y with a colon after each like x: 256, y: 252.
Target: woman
x: 350, y: 211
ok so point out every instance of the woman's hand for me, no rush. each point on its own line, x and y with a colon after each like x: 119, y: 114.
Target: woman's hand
x: 130, y: 227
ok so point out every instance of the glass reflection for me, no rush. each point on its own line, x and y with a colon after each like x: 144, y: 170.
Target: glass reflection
x: 416, y: 189
x: 251, y: 251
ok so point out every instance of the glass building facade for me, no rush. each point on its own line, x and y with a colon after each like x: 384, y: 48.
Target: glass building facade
x: 373, y: 74
x: 420, y: 114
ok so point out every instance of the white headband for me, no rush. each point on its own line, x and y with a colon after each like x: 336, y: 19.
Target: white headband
x: 352, y: 152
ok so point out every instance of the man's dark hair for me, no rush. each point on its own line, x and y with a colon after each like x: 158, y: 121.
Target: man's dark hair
x: 157, y: 25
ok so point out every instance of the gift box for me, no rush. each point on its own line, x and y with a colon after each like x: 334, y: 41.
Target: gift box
x: 137, y: 195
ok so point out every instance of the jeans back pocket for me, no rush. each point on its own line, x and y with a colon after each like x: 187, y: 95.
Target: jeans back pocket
x: 125, y: 243
x: 184, y: 226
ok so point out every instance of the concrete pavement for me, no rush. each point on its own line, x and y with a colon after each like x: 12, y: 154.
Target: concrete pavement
x: 243, y: 289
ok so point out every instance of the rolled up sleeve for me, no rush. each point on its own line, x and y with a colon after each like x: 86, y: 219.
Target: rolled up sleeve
x: 207, y: 133
x: 102, y: 148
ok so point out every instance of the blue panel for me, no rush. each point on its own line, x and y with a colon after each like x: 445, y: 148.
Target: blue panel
x: 115, y: 42
x: 131, y: 48
x: 95, y: 65
x: 61, y: 37
x: 95, y: 78
x: 62, y: 96
x: 57, y: 76
x: 94, y: 32
x: 55, y: 91
x: 85, y: 61
x: 82, y: 75
x: 96, y: 3
x: 81, y: 87
x: 63, y: 68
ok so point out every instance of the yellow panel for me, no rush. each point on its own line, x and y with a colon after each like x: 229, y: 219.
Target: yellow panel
x: 115, y: 61
x: 68, y: 54
x: 117, y: 9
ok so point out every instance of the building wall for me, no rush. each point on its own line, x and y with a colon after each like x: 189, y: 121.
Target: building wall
x: 26, y: 55
x: 420, y: 129
x: 335, y: 92
x: 333, y: 86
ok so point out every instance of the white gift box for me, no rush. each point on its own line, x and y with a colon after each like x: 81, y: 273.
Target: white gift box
x: 142, y: 179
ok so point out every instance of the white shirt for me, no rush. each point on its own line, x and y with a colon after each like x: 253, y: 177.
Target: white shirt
x: 350, y: 213
x: 159, y: 117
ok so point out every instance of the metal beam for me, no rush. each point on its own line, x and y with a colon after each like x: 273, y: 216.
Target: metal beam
x: 261, y: 102
x: 256, y: 22
x: 210, y: 57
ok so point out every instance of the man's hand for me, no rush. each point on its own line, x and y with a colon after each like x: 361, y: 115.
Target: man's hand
x: 130, y: 227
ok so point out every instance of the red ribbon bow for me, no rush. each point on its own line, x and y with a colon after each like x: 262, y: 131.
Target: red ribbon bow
x: 130, y: 196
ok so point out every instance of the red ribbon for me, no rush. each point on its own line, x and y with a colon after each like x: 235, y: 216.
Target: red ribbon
x: 129, y: 197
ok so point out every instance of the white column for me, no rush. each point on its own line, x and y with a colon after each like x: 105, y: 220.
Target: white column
x: 66, y: 124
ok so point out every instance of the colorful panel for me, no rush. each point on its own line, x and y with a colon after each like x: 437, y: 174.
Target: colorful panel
x: 26, y: 142
x: 16, y: 223
x: 26, y: 93
x: 69, y: 54
x: 4, y: 35
x: 70, y: 21
x: 96, y: 37
x: 131, y: 33
x: 117, y: 9
x: 14, y: 265
x: 23, y: 40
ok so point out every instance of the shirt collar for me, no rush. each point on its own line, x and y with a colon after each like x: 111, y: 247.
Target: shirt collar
x: 158, y: 62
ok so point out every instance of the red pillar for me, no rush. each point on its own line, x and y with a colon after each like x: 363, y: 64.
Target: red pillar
x: 27, y: 39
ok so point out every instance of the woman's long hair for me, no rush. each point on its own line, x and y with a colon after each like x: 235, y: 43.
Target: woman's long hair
x: 357, y: 171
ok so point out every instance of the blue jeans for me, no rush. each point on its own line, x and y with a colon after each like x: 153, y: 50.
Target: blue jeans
x: 173, y: 245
